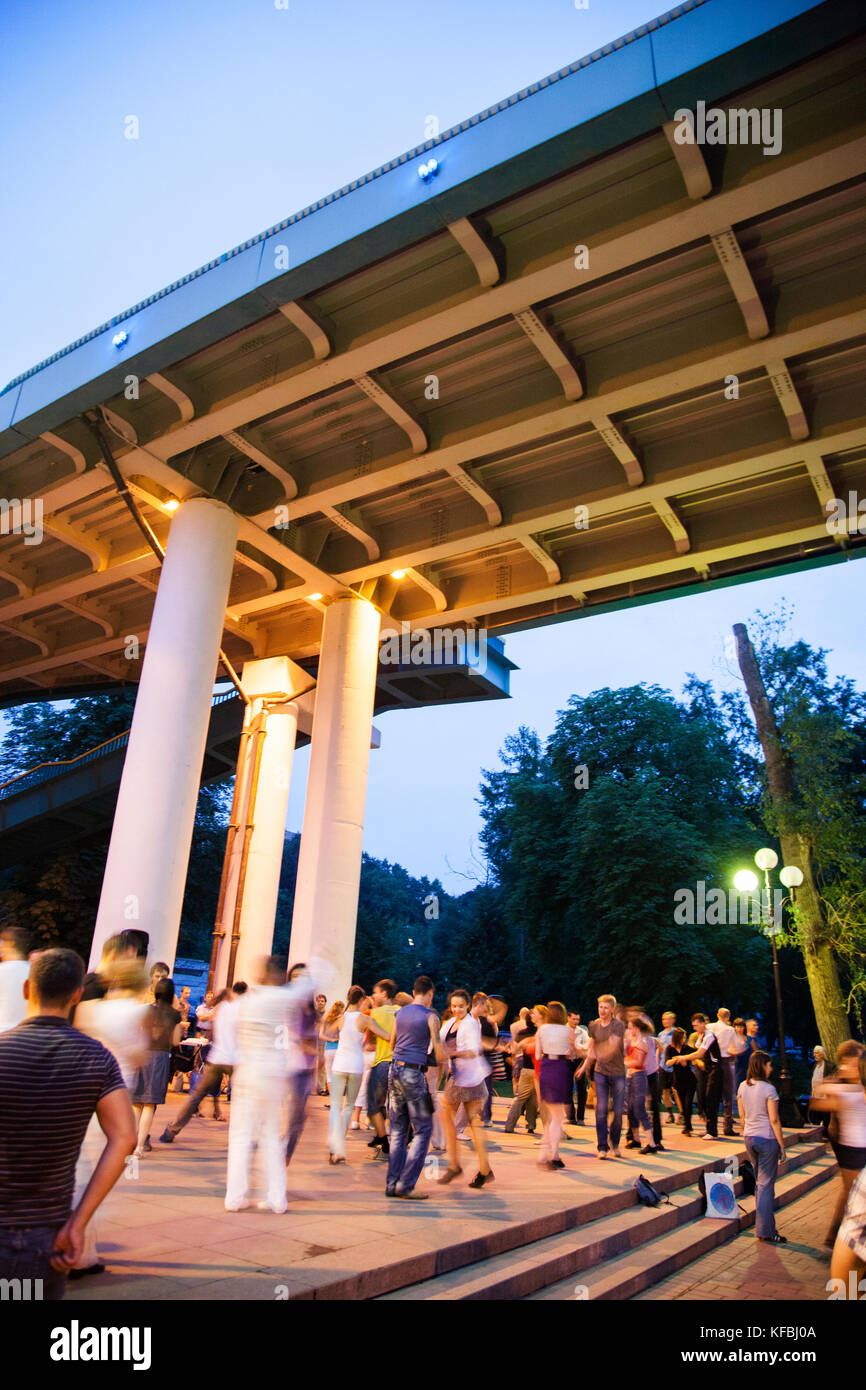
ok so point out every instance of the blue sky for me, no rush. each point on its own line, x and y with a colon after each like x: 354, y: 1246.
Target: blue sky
x: 247, y: 113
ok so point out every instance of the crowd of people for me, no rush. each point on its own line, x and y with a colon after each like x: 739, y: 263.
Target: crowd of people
x: 86, y: 1061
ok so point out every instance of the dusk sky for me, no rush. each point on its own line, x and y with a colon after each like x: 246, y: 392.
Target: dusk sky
x: 248, y: 112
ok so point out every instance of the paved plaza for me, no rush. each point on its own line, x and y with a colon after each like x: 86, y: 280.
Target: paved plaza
x: 165, y: 1234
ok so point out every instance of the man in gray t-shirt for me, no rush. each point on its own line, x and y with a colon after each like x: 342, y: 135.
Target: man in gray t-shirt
x: 606, y: 1051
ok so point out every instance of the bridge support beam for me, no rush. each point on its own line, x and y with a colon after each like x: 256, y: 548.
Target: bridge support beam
x: 145, y: 872
x: 265, y: 766
x: 329, y: 867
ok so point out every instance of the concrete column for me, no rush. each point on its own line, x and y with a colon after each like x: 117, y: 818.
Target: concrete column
x: 329, y: 868
x: 145, y: 872
x: 278, y: 678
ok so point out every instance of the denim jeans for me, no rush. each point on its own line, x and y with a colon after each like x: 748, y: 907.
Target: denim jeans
x: 487, y: 1112
x: 606, y: 1087
x: 25, y: 1254
x: 636, y: 1094
x: 300, y: 1086
x: 409, y: 1102
x: 764, y: 1155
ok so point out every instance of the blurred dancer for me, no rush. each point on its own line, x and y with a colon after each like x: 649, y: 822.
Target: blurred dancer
x: 849, y: 1252
x: 525, y: 1096
x: 301, y: 993
x: 554, y: 1049
x: 222, y: 1020
x: 118, y: 1021
x: 259, y: 1090
x: 164, y: 1027
x: 14, y: 970
x: 843, y: 1096
x: 637, y: 1042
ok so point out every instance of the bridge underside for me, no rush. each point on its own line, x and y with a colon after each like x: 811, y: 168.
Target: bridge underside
x: 607, y: 367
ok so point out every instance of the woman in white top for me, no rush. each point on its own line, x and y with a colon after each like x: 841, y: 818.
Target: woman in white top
x: 118, y: 1021
x: 554, y: 1047
x: 758, y: 1104
x: 842, y: 1094
x: 461, y: 1035
x: 348, y: 1068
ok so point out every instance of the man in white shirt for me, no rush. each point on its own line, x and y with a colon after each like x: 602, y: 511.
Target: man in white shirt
x: 14, y: 971
x: 727, y: 1037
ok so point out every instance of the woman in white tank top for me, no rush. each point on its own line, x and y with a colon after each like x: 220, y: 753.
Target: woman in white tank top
x: 348, y: 1068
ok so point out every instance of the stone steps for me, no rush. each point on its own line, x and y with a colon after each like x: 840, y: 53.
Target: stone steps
x: 664, y: 1254
x: 615, y: 1246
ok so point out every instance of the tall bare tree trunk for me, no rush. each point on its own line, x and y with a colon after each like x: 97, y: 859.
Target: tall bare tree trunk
x: 821, y: 969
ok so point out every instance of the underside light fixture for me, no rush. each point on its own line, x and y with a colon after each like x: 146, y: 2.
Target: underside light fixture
x: 120, y: 338
x: 315, y: 598
x: 172, y: 504
x: 398, y: 574
x: 429, y: 170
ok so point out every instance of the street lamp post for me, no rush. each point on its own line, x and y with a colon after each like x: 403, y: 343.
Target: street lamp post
x: 791, y: 877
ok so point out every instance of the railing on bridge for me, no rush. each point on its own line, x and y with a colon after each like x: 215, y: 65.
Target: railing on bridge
x: 43, y: 772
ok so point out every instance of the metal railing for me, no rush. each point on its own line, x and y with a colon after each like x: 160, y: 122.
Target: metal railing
x: 44, y: 772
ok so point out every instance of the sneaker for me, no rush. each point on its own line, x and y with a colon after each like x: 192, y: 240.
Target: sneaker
x: 547, y: 1163
x: 632, y: 1144
x: 236, y: 1206
x: 389, y: 1192
x: 557, y: 1163
x: 481, y: 1178
x: 774, y: 1240
x: 380, y: 1156
x: 266, y: 1206
x: 414, y: 1196
x: 711, y: 1136
x: 615, y: 1153
x: 660, y: 1149
x: 356, y: 1124
x: 602, y: 1153
x: 167, y: 1136
x: 374, y: 1143
x: 647, y: 1149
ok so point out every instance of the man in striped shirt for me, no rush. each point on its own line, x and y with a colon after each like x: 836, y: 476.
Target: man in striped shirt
x: 52, y: 1079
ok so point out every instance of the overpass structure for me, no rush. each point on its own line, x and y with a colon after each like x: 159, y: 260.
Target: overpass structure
x: 581, y: 350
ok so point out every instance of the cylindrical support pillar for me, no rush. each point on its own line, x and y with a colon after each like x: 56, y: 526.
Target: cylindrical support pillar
x: 145, y: 872
x: 329, y: 866
x: 266, y: 844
